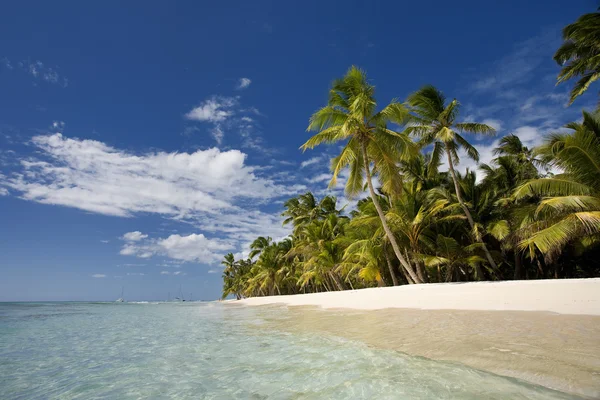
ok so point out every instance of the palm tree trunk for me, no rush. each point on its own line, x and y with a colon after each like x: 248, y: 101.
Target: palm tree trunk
x: 391, y: 268
x: 337, y: 281
x: 418, y: 267
x: 518, y: 265
x: 466, y: 209
x: 384, y: 224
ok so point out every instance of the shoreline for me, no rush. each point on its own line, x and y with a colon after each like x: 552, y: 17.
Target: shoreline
x: 562, y: 296
x: 542, y: 332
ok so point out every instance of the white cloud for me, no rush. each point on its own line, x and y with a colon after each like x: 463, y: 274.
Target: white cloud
x: 165, y: 273
x: 92, y: 176
x: 134, y: 236
x: 320, y: 178
x: 217, y: 134
x: 494, y: 123
x: 243, y: 83
x: 179, y: 273
x: 215, y: 109
x: 311, y: 161
x: 212, y: 190
x: 98, y: 276
x: 135, y: 274
x: 529, y: 135
x: 104, y: 241
x: 190, y: 248
x: 213, y: 271
x: 3, y: 191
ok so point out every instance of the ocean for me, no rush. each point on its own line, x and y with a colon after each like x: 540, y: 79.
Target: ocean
x: 211, y: 350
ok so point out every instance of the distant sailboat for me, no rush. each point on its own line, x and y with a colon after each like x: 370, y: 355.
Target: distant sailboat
x: 121, y: 299
x: 180, y: 297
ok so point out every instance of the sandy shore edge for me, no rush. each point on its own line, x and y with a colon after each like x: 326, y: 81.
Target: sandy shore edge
x: 563, y: 296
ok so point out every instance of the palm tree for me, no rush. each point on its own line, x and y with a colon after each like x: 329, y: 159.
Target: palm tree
x: 319, y: 253
x: 435, y: 122
x: 365, y: 227
x: 569, y: 208
x: 454, y: 257
x: 259, y: 245
x: 306, y: 208
x: 502, y: 176
x: 270, y: 261
x: 351, y: 116
x: 579, y: 55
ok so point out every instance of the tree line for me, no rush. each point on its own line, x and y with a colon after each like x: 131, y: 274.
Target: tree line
x: 422, y: 223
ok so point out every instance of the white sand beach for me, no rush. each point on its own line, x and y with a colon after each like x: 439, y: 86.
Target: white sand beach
x: 563, y: 296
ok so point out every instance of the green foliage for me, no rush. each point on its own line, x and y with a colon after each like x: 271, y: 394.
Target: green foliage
x: 579, y: 55
x: 421, y: 225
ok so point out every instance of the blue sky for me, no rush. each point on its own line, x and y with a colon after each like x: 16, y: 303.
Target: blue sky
x: 140, y: 143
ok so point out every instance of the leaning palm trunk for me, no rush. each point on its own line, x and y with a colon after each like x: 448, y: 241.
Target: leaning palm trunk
x: 384, y: 224
x: 467, y: 212
x: 338, y: 282
x: 391, y: 268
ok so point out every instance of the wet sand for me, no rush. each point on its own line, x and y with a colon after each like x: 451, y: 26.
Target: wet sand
x: 558, y: 351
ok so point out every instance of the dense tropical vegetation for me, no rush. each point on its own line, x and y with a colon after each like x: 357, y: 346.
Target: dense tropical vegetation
x: 511, y: 219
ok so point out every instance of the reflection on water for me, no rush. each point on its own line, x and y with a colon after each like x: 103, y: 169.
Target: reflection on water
x: 553, y: 350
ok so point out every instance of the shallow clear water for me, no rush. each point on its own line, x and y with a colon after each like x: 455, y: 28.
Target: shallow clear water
x: 213, y: 351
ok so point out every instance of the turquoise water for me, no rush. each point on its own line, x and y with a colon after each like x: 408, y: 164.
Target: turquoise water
x: 212, y: 351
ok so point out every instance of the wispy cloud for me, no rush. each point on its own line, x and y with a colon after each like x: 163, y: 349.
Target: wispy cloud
x: 36, y: 69
x: 517, y: 94
x: 225, y: 115
x: 243, y: 83
x: 521, y: 64
x: 165, y: 273
x: 99, y: 276
x: 58, y: 126
x: 135, y: 274
x: 320, y: 178
x: 311, y: 161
